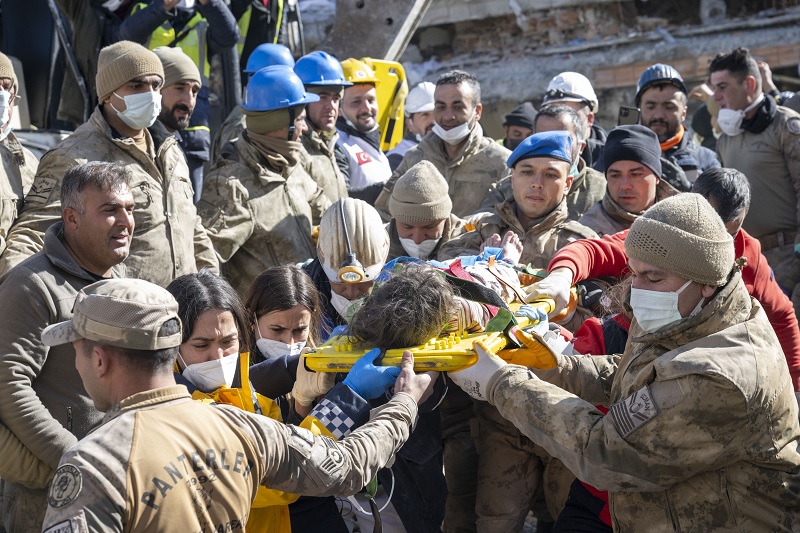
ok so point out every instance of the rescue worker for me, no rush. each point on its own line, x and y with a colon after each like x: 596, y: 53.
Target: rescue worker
x: 259, y: 23
x: 182, y: 83
x: 419, y: 121
x: 518, y: 125
x: 258, y: 202
x: 359, y: 135
x: 170, y: 239
x: 701, y: 391
x: 662, y: 98
x: 322, y: 74
x: 265, y: 55
x: 200, y: 29
x: 469, y: 161
x: 588, y: 185
x: 575, y: 90
x: 632, y: 159
x: 112, y: 481
x: 422, y: 218
x: 46, y: 407
x: 19, y: 163
x: 762, y: 140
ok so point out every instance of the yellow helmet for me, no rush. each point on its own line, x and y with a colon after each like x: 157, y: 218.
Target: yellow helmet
x: 357, y: 71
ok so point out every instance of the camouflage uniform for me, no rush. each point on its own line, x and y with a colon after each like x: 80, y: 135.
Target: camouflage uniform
x: 453, y: 227
x: 208, y: 464
x: 702, y: 433
x: 168, y: 241
x: 607, y: 217
x: 19, y: 168
x: 480, y: 164
x: 320, y: 163
x: 587, y: 189
x: 259, y: 212
x: 230, y: 130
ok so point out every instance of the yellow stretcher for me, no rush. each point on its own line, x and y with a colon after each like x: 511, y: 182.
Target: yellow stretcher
x: 439, y: 354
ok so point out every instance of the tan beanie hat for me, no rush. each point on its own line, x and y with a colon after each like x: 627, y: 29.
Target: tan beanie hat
x: 420, y: 196
x: 177, y: 65
x: 7, y: 70
x: 683, y: 234
x: 121, y: 62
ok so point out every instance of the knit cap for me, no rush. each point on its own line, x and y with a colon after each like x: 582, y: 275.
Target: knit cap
x: 420, y: 196
x: 683, y: 234
x: 523, y: 115
x: 633, y: 143
x: 7, y: 70
x: 177, y: 65
x: 121, y: 62
x: 555, y: 144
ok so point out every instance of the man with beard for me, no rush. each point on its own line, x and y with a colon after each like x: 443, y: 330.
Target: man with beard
x: 662, y: 97
x: 178, y: 98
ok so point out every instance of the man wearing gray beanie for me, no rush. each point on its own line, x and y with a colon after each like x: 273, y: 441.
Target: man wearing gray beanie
x: 421, y: 214
x: 169, y: 239
x: 702, y: 428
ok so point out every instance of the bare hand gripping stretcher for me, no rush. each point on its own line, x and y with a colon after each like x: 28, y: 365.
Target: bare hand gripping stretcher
x: 518, y: 343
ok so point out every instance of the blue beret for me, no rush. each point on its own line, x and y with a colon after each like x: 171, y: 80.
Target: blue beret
x: 556, y: 144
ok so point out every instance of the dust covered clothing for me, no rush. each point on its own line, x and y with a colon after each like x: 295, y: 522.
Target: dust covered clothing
x: 16, y: 177
x: 205, y: 474
x: 702, y: 431
x: 168, y: 241
x: 320, y: 163
x: 478, y: 166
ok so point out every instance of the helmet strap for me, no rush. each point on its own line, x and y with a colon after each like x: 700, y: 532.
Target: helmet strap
x: 291, y: 123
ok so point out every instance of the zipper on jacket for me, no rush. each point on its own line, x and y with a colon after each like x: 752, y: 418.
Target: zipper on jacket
x: 723, y: 485
x: 676, y: 526
x: 69, y: 418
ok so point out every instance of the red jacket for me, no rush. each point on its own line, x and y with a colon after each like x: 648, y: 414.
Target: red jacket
x: 593, y: 258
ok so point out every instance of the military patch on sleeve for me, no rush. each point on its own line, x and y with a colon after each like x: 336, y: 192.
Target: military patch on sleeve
x: 41, y: 190
x: 65, y: 487
x: 793, y: 125
x: 634, y: 411
x: 75, y: 524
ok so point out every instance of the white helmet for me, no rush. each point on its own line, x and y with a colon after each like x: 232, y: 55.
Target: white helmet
x: 571, y: 87
x: 362, y: 235
x: 420, y: 98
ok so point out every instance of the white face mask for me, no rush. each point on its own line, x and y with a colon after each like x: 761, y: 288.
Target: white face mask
x: 272, y: 349
x: 454, y: 135
x: 656, y: 310
x: 211, y: 375
x: 5, y: 112
x: 340, y: 303
x: 730, y: 120
x: 421, y: 250
x: 141, y: 109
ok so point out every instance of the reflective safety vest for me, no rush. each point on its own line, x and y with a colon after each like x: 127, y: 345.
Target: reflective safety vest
x: 244, y: 25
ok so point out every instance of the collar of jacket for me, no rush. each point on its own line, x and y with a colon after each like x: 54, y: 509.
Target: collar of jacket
x: 15, y: 147
x: 507, y: 212
x: 317, y: 141
x: 278, y: 155
x: 57, y: 253
x: 764, y: 116
x: 373, y: 137
x: 158, y: 132
x: 730, y: 306
x: 147, y: 398
x: 616, y: 211
x: 433, y: 145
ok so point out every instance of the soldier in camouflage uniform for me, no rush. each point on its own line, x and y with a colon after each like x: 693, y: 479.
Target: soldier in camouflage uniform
x: 702, y: 431
x: 258, y: 202
x: 209, y: 460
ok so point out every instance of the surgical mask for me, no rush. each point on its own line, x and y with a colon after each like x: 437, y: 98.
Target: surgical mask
x: 272, y: 349
x: 5, y: 112
x: 454, y: 135
x: 421, y: 250
x: 730, y: 120
x: 141, y: 109
x: 340, y: 303
x: 573, y: 170
x: 211, y: 375
x: 655, y: 310
x: 418, y: 137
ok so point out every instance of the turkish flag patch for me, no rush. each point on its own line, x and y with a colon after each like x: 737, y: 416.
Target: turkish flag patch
x: 363, y: 158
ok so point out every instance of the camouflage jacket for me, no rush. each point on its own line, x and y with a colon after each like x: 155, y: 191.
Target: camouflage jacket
x: 229, y: 131
x: 702, y: 431
x: 320, y: 163
x: 480, y: 164
x: 168, y: 241
x: 453, y: 227
x: 607, y: 217
x: 539, y: 242
x: 19, y: 168
x: 256, y: 217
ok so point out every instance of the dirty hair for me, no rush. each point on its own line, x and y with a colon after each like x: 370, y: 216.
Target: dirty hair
x: 457, y: 77
x: 727, y: 188
x: 103, y: 175
x: 409, y: 309
x: 565, y: 115
x: 740, y: 63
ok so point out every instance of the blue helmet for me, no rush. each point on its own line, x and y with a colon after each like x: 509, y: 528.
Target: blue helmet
x: 276, y: 87
x: 266, y: 55
x: 658, y: 74
x: 320, y: 68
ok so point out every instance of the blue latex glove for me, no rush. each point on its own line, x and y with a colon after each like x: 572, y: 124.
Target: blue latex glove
x: 370, y: 381
x: 536, y: 314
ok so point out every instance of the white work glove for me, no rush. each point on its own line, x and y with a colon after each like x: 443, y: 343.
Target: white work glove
x: 556, y: 286
x: 476, y: 379
x: 309, y: 384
